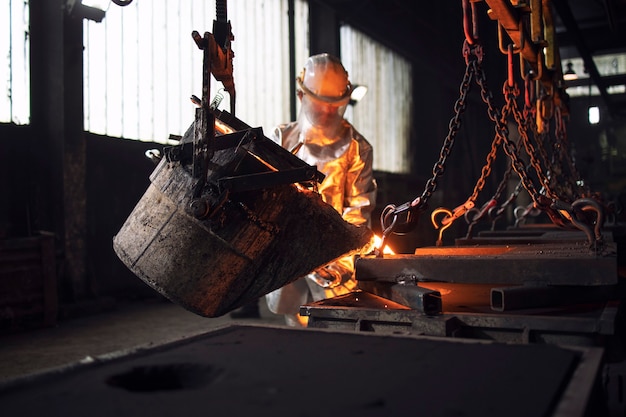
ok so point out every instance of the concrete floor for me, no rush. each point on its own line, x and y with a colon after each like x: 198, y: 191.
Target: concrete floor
x: 126, y: 325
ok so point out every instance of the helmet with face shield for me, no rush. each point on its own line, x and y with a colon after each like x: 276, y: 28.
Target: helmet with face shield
x: 325, y: 90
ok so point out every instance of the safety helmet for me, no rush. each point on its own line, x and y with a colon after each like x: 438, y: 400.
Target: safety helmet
x: 324, y: 78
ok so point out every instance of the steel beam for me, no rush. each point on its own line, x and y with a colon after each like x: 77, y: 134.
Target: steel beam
x: 545, y: 66
x: 545, y: 264
x: 509, y: 18
x: 565, y: 13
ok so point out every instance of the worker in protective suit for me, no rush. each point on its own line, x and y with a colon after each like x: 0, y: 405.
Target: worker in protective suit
x: 322, y: 137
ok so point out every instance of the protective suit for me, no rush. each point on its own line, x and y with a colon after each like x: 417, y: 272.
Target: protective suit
x: 321, y: 136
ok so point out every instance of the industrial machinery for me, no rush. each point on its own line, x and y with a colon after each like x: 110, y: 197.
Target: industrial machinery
x: 227, y: 207
x: 224, y: 211
x: 547, y: 282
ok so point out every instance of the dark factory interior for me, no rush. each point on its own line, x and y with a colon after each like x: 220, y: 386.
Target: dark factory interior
x: 507, y: 305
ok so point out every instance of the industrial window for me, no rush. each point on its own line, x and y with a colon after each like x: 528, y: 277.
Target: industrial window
x: 14, y: 62
x: 142, y: 66
x: 383, y: 115
x: 609, y: 65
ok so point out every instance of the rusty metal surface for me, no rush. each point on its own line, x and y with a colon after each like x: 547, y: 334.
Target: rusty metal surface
x: 542, y: 55
x: 527, y: 236
x: 588, y: 325
x: 565, y: 263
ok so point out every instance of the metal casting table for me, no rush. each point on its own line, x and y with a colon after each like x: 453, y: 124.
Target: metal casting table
x: 581, y: 325
x: 278, y: 371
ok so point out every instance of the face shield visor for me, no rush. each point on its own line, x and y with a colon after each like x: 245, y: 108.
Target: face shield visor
x: 322, y: 114
x: 325, y: 90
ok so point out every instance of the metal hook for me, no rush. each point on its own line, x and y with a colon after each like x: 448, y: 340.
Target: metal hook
x: 471, y: 215
x: 529, y: 91
x: 443, y: 226
x: 566, y: 210
x: 589, y: 204
x: 521, y: 213
x: 470, y: 37
x: 511, y: 78
x: 474, y: 215
x: 387, y: 230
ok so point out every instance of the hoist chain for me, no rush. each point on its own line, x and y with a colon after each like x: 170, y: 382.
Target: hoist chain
x: 508, y: 145
x: 510, y: 96
x: 467, y: 208
x: 490, y: 208
x: 560, y: 180
x: 389, y: 216
x: 474, y: 215
x: 472, y: 54
x: 503, y: 183
x: 486, y: 170
x: 552, y: 170
x: 495, y: 213
x: 559, y: 184
x: 529, y: 114
x: 473, y: 58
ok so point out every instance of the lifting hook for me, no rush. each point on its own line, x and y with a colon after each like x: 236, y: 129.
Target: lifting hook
x: 443, y: 226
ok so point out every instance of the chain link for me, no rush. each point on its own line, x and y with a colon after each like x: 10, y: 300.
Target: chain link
x: 486, y: 170
x: 502, y: 131
x: 529, y: 115
x: 510, y: 97
x: 472, y: 54
x: 503, y: 183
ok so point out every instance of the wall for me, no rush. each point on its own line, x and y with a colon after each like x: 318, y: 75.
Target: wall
x: 117, y: 176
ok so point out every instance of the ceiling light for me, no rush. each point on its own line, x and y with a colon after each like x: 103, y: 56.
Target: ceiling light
x: 594, y: 115
x: 570, y: 74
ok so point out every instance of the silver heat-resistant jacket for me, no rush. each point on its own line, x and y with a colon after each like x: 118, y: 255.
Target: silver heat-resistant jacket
x: 349, y: 186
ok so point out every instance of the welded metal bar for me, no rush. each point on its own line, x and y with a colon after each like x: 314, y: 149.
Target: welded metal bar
x: 266, y: 179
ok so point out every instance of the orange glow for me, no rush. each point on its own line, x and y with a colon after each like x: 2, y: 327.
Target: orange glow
x: 262, y: 161
x: 386, y: 250
x: 463, y: 251
x: 565, y: 214
x: 222, y: 127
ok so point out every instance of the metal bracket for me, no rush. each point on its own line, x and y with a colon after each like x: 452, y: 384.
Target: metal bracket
x: 267, y: 179
x: 425, y: 300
